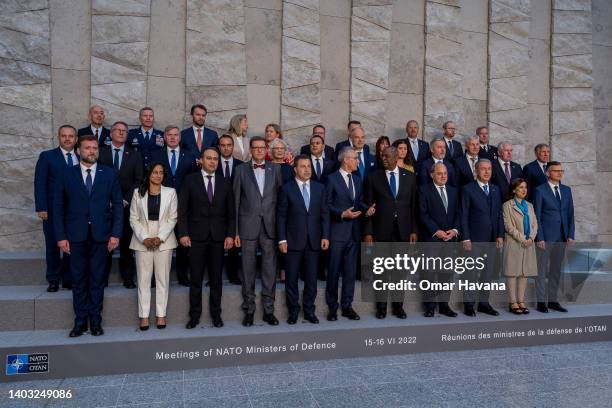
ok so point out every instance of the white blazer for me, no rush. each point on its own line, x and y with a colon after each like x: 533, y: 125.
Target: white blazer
x: 139, y: 220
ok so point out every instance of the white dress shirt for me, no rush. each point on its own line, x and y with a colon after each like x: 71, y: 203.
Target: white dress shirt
x: 93, y: 173
x: 414, y: 145
x: 472, y: 163
x: 313, y: 160
x: 542, y: 166
x: 260, y: 176
x: 73, y: 156
x: 552, y: 187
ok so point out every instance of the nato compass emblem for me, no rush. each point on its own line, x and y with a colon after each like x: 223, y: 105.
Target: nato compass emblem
x: 27, y: 363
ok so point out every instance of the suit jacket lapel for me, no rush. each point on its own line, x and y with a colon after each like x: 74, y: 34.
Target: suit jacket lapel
x: 296, y: 189
x: 96, y: 181
x: 79, y: 180
x: 267, y: 177
x: 251, y: 174
x: 144, y: 206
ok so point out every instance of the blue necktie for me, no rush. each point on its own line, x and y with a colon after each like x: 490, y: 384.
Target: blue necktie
x: 361, y: 166
x: 392, y: 184
x: 69, y: 159
x: 88, y: 182
x: 173, y: 162
x: 557, y: 195
x: 306, y: 196
x: 116, y: 161
x: 350, y: 187
x: 486, y: 189
x: 147, y: 136
x: 318, y: 168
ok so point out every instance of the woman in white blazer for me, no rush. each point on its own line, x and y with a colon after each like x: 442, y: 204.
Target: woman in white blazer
x: 153, y: 215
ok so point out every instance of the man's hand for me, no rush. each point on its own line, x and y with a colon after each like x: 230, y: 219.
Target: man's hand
x: 467, y: 245
x: 541, y: 245
x: 413, y: 238
x: 441, y: 235
x: 43, y: 215
x: 113, y: 243
x: 148, y: 242
x: 156, y: 242
x: 350, y: 214
x: 499, y: 242
x: 450, y: 234
x: 228, y: 243
x: 325, y: 244
x: 64, y: 245
x: 282, y: 247
x: 185, y: 241
x: 371, y: 210
x: 570, y: 242
x: 237, y: 242
x: 527, y: 243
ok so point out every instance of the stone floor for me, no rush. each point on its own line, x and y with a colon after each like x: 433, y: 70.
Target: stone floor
x: 576, y: 375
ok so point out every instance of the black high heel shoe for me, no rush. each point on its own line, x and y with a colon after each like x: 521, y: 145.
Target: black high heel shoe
x: 161, y: 326
x: 515, y: 310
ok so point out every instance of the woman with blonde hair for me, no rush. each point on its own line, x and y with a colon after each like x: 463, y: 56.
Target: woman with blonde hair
x: 238, y: 127
x: 273, y: 132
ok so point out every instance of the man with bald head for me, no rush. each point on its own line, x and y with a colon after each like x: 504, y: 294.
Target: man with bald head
x: 96, y: 126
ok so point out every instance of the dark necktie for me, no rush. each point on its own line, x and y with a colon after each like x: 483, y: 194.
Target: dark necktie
x: 209, y: 189
x: 557, y: 195
x: 97, y: 135
x: 318, y: 168
x: 69, y: 159
x: 392, y: 184
x: 259, y: 166
x: 227, y: 170
x: 116, y: 160
x: 507, y: 171
x: 450, y: 147
x: 173, y: 162
x: 485, y: 188
x: 350, y: 186
x: 88, y: 181
x: 444, y: 199
x: 147, y: 136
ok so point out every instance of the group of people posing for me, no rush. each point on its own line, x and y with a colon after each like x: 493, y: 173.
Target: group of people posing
x: 220, y: 201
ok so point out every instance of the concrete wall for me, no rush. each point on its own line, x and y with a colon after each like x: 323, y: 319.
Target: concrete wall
x: 533, y: 70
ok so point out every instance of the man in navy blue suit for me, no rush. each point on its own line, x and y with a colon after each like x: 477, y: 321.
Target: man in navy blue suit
x: 466, y: 163
x: 348, y: 142
x: 302, y: 220
x: 197, y: 137
x: 178, y: 163
x: 505, y: 170
x: 366, y: 163
x: 321, y: 166
x: 535, y: 172
x: 96, y: 127
x: 146, y: 139
x: 481, y: 222
x: 344, y: 195
x: 554, y: 209
x: 438, y: 153
x: 88, y: 220
x: 328, y: 151
x: 49, y: 166
x: 486, y: 150
x: 453, y: 147
x: 439, y: 211
x: 419, y: 149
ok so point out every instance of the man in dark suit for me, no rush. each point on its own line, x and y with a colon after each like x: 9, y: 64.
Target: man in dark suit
x: 453, y: 147
x: 554, y: 209
x: 535, y: 172
x: 128, y: 164
x: 96, y: 127
x: 146, y: 139
x: 256, y: 185
x: 206, y: 225
x: 344, y: 194
x: 481, y: 222
x: 227, y: 165
x: 50, y: 164
x: 505, y: 170
x: 197, y: 137
x: 178, y: 164
x: 438, y: 153
x: 365, y: 161
x: 486, y: 150
x: 328, y: 151
x: 353, y: 124
x: 320, y: 165
x: 419, y: 149
x: 439, y: 211
x: 87, y: 223
x: 303, y: 231
x: 466, y: 163
x: 393, y: 191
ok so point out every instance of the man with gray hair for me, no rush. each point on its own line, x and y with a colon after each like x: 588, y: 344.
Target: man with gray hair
x: 438, y: 155
x: 505, y: 170
x: 466, y: 163
x: 96, y: 127
x: 535, y: 172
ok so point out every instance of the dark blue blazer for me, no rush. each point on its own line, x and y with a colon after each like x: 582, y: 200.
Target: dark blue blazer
x: 287, y: 172
x: 369, y: 163
x: 490, y: 154
x: 498, y: 177
x: 186, y: 165
x: 50, y: 165
x: 137, y: 142
x: 457, y: 150
x: 236, y: 162
x: 346, y: 143
x: 103, y: 138
x: 210, y: 138
x: 329, y: 152
x: 339, y: 199
x: 75, y: 209
x: 481, y: 215
x: 464, y: 171
x: 424, y: 152
x: 423, y: 176
x: 327, y: 168
x: 433, y: 215
x: 299, y: 226
x: 555, y: 222
x: 532, y: 172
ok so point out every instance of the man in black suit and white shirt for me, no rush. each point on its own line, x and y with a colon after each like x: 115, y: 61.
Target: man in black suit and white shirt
x: 505, y: 170
x: 486, y: 150
x: 321, y: 166
x: 453, y: 147
x: 419, y: 149
x: 535, y: 172
x: 466, y: 163
x: 96, y: 127
x: 328, y: 151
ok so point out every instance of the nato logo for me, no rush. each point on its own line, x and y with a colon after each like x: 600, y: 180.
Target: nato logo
x: 27, y: 363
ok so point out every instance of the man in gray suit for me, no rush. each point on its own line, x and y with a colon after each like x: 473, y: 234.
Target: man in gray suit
x: 256, y: 185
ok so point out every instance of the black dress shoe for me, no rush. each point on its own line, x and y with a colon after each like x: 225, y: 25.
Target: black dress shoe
x: 556, y: 307
x: 67, y: 285
x: 184, y: 283
x: 448, y: 312
x: 53, y: 287
x: 96, y: 331
x: 469, y: 311
x: 332, y: 316
x: 248, y: 320
x: 350, y: 314
x: 399, y: 313
x: 78, y: 331
x: 487, y: 309
x: 292, y: 320
x: 541, y: 307
x: 217, y: 321
x: 311, y: 318
x: 235, y: 281
x: 381, y: 314
x: 429, y: 313
x: 270, y: 319
x: 192, y: 323
x: 129, y: 285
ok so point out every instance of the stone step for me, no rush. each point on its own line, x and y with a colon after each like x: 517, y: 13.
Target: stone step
x: 32, y: 308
